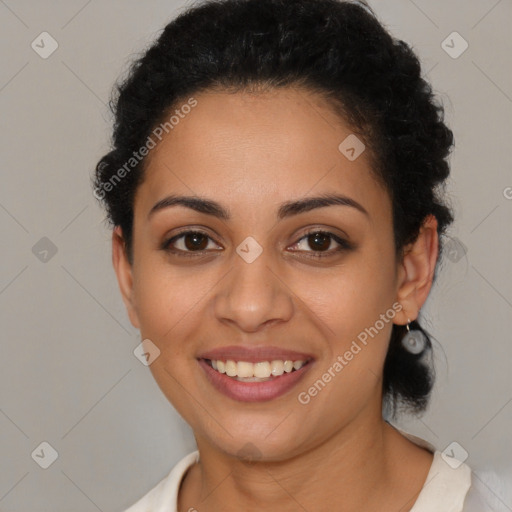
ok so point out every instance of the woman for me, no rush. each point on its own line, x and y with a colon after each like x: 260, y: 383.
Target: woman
x: 274, y: 188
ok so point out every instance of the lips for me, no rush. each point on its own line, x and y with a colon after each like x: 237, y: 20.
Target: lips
x: 253, y: 389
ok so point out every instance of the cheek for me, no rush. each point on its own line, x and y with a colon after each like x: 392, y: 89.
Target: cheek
x: 163, y: 297
x: 171, y: 310
x: 351, y: 296
x: 354, y: 307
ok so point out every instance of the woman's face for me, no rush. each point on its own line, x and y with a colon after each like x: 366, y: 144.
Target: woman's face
x: 254, y: 279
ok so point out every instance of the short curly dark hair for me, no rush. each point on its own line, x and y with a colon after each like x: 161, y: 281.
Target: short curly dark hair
x: 335, y: 48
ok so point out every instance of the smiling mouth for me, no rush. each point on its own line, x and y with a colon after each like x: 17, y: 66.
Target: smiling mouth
x: 260, y: 371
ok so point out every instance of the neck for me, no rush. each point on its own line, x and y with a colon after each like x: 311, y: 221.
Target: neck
x: 355, y: 469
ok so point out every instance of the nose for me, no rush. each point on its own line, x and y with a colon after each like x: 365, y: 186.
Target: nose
x: 253, y: 295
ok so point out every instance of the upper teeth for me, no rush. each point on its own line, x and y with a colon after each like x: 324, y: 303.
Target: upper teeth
x: 262, y: 369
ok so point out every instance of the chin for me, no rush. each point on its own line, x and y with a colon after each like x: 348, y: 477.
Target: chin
x: 257, y: 442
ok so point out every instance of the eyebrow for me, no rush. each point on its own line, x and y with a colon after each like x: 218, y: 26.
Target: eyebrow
x: 287, y: 209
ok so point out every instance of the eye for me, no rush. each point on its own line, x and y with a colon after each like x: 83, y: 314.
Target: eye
x: 321, y: 243
x: 188, y: 242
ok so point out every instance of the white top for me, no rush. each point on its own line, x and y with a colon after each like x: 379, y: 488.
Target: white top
x: 448, y: 487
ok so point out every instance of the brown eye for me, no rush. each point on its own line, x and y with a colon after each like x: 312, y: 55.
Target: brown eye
x: 195, y: 241
x: 320, y: 244
x: 189, y: 242
x: 319, y: 241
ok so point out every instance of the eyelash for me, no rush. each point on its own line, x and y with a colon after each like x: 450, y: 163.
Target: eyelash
x: 343, y: 244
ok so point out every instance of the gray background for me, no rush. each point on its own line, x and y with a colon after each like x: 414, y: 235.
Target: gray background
x: 68, y: 373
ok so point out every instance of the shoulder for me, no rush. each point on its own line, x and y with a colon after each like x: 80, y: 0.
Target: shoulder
x: 445, y: 487
x: 452, y: 486
x: 447, y: 482
x: 163, y: 497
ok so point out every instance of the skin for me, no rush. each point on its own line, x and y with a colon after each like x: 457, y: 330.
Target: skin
x: 250, y: 153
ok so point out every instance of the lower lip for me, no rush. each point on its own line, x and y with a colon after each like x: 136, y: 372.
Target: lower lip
x: 253, y: 391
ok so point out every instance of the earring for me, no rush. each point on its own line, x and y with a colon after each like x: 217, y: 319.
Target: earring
x: 414, y: 341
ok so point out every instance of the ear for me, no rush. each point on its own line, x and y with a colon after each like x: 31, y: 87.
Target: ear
x: 123, y: 270
x: 416, y: 271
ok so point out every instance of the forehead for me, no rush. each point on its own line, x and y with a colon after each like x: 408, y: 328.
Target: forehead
x: 249, y: 148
